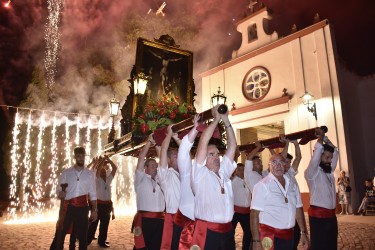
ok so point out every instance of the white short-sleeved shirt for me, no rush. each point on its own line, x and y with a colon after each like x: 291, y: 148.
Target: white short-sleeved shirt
x: 186, y: 205
x: 79, y: 183
x: 147, y: 200
x: 170, y: 184
x: 241, y: 192
x: 103, y: 188
x: 269, y: 199
x: 252, y: 177
x: 321, y: 185
x: 210, y: 203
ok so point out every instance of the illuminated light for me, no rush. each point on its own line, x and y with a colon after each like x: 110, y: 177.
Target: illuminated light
x: 229, y: 34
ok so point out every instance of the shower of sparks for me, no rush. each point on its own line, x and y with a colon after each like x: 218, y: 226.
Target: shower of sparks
x: 53, y: 176
x: 26, y: 165
x: 100, y: 136
x: 38, y: 172
x: 68, y: 158
x: 88, y: 140
x: 77, y: 133
x: 14, y: 172
x: 52, y: 37
x: 33, y: 197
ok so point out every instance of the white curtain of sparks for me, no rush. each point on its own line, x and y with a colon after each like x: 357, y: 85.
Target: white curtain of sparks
x: 35, y: 170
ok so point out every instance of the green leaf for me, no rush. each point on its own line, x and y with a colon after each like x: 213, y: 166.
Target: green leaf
x: 140, y: 120
x: 152, y: 125
x: 183, y: 109
x: 164, y: 121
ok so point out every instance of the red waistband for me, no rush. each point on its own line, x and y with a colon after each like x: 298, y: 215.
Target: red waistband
x: 80, y: 201
x: 241, y: 210
x: 180, y: 219
x: 153, y: 215
x: 321, y: 212
x: 216, y: 227
x: 103, y: 202
x: 286, y: 234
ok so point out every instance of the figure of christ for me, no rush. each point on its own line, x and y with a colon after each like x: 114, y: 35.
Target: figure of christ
x: 165, y: 60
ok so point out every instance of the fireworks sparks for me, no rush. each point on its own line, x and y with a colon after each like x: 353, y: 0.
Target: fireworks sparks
x: 52, y: 37
x: 7, y: 4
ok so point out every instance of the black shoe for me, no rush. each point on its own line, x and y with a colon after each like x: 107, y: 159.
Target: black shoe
x: 105, y: 245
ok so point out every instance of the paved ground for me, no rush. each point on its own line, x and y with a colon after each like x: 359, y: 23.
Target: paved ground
x: 355, y: 232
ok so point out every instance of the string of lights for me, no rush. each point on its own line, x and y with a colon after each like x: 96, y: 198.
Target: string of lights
x: 46, y: 110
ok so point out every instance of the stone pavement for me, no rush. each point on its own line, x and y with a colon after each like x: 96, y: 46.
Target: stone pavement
x: 355, y: 232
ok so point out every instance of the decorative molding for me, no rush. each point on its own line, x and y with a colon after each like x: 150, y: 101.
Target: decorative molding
x: 262, y: 105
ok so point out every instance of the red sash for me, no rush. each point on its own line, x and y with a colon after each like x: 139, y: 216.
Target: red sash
x: 241, y: 210
x: 320, y: 212
x: 139, y: 241
x: 103, y: 202
x: 167, y: 232
x: 187, y: 226
x: 268, y: 234
x: 80, y: 201
x: 200, y: 232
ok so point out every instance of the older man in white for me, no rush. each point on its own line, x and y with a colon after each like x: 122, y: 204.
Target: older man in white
x: 276, y: 205
x: 212, y: 186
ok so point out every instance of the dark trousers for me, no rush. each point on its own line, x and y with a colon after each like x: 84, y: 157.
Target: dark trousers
x: 177, y: 230
x: 323, y: 233
x: 244, y: 220
x: 297, y: 236
x: 220, y: 241
x: 104, y: 216
x: 281, y: 244
x: 78, y: 217
x: 152, y: 232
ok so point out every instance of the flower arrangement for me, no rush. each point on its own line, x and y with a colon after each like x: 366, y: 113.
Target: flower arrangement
x: 161, y: 113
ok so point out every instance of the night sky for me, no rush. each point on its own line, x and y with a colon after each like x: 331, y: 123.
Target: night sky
x: 90, y: 22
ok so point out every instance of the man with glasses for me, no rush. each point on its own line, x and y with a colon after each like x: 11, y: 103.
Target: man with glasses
x: 276, y: 205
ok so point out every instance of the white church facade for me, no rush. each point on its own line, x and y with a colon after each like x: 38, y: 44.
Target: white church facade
x: 267, y: 77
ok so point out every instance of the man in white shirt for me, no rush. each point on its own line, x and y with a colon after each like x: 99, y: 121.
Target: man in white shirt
x: 276, y: 205
x: 241, y: 200
x: 213, y: 189
x: 321, y: 182
x: 170, y: 183
x: 149, y: 220
x: 184, y: 220
x: 254, y: 167
x: 103, y: 189
x: 81, y: 188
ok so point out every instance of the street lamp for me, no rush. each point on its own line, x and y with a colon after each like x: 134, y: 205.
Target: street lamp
x: 140, y: 83
x: 219, y: 99
x: 114, y: 106
x: 311, y: 107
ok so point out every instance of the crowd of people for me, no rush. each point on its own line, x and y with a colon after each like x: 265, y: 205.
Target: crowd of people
x: 186, y: 202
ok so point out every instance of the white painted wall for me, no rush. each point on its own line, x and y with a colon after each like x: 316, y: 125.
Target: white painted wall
x: 287, y: 71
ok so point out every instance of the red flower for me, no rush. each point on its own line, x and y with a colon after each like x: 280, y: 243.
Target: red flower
x: 172, y: 115
x: 144, y: 128
x: 142, y: 116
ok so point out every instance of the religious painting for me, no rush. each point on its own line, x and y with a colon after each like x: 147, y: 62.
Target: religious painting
x: 170, y: 69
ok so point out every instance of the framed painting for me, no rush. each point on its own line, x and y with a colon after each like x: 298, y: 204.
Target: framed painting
x: 170, y: 69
